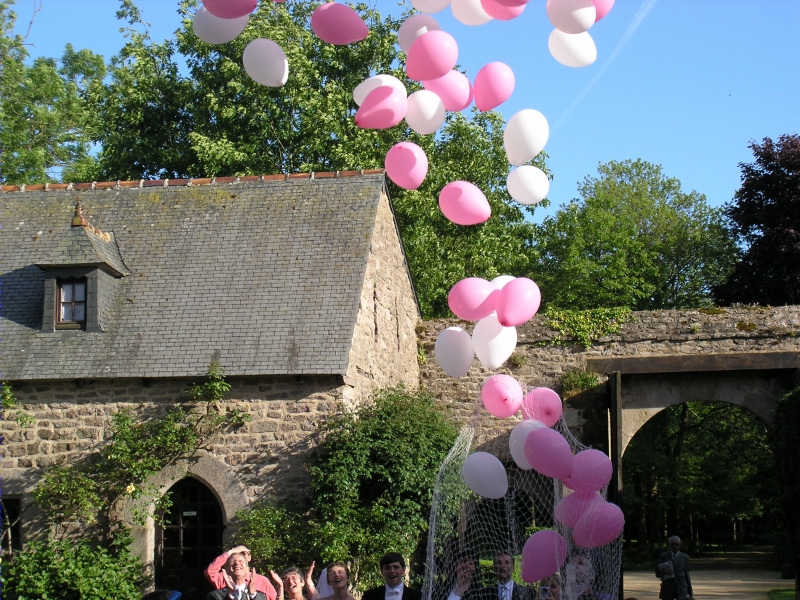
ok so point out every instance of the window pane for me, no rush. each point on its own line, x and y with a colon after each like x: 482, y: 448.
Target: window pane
x: 80, y: 292
x: 66, y: 292
x: 66, y: 312
x: 79, y: 312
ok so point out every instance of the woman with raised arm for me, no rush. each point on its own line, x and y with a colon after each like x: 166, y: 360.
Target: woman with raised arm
x: 290, y: 584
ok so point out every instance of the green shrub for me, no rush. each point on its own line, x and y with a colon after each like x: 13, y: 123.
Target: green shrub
x: 72, y: 571
x: 578, y: 380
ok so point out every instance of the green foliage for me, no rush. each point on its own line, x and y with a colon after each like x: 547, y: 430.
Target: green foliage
x: 9, y: 401
x: 704, y: 463
x: 765, y: 212
x: 634, y: 239
x: 137, y: 449
x: 746, y: 326
x: 782, y: 595
x: 518, y: 360
x: 578, y: 380
x: 371, y: 486
x: 787, y: 458
x: 45, y: 118
x: 585, y: 326
x: 72, y: 571
x: 712, y: 310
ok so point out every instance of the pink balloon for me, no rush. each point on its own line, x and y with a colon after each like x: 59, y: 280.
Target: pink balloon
x: 602, y: 7
x: 518, y: 301
x: 338, y: 24
x: 549, y: 453
x: 407, y: 165
x: 454, y: 89
x: 501, y: 12
x: 591, y: 472
x: 501, y: 395
x: 571, y: 508
x: 543, y: 554
x: 512, y: 3
x: 472, y: 299
x: 463, y: 203
x: 600, y: 524
x: 542, y: 404
x: 431, y: 56
x: 494, y: 84
x: 230, y: 9
x: 384, y: 107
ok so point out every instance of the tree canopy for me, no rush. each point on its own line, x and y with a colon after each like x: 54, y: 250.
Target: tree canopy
x: 766, y: 217
x: 634, y: 239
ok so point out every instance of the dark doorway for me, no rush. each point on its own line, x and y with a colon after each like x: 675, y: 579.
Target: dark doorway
x: 188, y: 540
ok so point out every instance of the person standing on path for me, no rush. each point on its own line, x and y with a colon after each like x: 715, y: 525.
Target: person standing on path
x: 673, y: 570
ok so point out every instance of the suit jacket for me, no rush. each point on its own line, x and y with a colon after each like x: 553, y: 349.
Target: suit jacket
x: 379, y: 593
x: 223, y: 595
x: 683, y: 582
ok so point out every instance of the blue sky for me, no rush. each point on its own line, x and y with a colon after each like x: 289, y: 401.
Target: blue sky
x: 695, y: 81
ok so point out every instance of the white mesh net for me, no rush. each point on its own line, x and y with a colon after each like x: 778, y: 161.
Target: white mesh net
x: 467, y: 529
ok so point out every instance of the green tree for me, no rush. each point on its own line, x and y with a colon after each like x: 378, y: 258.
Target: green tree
x: 45, y: 121
x: 371, y: 486
x: 765, y: 213
x: 634, y: 239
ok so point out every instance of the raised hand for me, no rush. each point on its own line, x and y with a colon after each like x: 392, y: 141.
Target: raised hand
x: 228, y: 580
x: 312, y: 589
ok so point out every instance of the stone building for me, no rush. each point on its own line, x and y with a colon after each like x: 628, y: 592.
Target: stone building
x: 120, y: 295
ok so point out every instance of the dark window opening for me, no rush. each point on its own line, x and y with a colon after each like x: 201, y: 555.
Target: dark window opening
x: 71, y: 304
x: 11, y: 509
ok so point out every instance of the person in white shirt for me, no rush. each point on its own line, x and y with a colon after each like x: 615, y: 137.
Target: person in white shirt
x: 506, y: 589
x: 393, y: 571
x: 237, y: 586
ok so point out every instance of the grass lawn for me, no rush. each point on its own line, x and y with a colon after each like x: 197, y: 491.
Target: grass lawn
x: 781, y: 595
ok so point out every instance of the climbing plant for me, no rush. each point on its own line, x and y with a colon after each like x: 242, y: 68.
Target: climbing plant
x: 585, y: 326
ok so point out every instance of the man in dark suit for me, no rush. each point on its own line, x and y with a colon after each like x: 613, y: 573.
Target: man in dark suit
x: 506, y: 589
x: 673, y: 570
x: 393, y: 570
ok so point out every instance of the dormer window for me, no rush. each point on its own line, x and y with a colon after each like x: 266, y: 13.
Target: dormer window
x: 71, y: 303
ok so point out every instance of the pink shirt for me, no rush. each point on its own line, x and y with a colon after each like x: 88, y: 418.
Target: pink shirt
x: 214, y: 575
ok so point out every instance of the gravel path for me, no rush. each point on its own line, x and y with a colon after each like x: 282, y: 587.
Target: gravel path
x: 739, y: 584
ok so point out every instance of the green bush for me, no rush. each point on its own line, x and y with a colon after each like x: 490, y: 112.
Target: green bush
x: 72, y: 571
x: 372, y: 481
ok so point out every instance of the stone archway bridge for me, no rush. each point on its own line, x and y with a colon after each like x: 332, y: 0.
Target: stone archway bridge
x: 748, y: 356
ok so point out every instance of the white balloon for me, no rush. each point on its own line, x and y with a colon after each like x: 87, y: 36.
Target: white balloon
x: 413, y: 27
x: 425, y: 113
x: 485, y: 475
x: 492, y: 342
x: 528, y: 184
x: 501, y: 281
x: 430, y: 6
x: 516, y: 441
x: 572, y: 50
x: 454, y: 351
x: 213, y: 30
x: 469, y: 12
x: 266, y: 63
x: 571, y: 16
x: 525, y: 135
x: 372, y: 83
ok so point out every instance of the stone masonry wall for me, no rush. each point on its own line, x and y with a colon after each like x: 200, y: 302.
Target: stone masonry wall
x: 541, y: 362
x: 384, y: 348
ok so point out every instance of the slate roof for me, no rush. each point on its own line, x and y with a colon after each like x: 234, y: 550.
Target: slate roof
x: 266, y: 275
x: 87, y: 246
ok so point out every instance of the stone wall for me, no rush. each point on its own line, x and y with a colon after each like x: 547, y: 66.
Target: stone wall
x: 542, y: 362
x: 384, y: 348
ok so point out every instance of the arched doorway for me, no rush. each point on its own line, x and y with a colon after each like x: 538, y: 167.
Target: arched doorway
x: 188, y: 539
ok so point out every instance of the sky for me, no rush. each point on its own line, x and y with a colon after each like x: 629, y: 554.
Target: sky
x: 686, y: 84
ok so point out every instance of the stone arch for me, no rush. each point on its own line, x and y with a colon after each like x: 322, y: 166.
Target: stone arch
x: 214, y: 474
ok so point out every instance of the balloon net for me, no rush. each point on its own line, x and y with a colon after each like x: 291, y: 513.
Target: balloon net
x: 465, y: 527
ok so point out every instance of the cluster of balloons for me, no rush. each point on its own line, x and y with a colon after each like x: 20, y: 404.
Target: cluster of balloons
x: 498, y: 306
x: 535, y: 444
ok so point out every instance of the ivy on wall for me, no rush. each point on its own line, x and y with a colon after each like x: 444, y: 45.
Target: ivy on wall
x: 585, y: 326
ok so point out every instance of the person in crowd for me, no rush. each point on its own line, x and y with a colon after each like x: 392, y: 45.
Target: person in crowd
x: 240, y: 582
x: 579, y: 575
x: 673, y: 570
x: 393, y: 571
x: 339, y: 580
x: 220, y: 568
x: 291, y: 583
x: 550, y: 588
x: 506, y: 589
x: 324, y: 588
x: 467, y: 586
